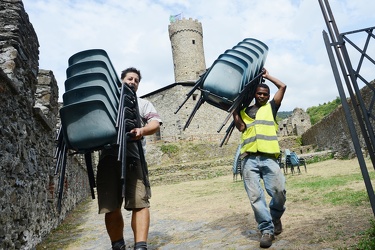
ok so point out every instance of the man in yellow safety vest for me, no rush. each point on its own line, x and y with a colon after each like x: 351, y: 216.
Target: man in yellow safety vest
x: 259, y: 152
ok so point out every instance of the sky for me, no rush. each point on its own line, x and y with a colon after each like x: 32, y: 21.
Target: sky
x: 135, y: 33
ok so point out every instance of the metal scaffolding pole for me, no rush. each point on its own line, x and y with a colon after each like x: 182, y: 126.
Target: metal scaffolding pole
x: 363, y: 114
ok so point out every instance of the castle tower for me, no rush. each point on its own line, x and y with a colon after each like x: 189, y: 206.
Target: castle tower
x: 187, y: 49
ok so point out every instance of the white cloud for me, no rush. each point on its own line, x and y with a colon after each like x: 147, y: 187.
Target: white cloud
x: 135, y: 33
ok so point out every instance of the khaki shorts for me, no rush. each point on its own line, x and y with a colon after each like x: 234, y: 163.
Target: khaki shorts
x: 109, y: 185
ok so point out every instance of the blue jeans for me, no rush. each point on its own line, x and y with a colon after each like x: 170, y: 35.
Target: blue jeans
x: 255, y: 168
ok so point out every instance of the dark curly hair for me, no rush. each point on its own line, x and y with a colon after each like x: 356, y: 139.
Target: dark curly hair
x: 131, y: 69
x: 263, y: 85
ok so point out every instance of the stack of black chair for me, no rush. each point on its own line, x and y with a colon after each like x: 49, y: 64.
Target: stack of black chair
x: 231, y: 80
x: 98, y: 112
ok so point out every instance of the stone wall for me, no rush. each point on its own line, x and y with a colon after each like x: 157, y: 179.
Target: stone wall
x: 28, y: 111
x: 332, y: 132
x: 296, y: 124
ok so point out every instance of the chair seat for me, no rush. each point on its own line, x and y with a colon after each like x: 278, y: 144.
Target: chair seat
x: 94, y: 67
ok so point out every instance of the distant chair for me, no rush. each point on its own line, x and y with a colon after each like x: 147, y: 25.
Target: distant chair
x: 292, y: 160
x: 237, y: 164
x: 299, y: 161
x: 281, y: 163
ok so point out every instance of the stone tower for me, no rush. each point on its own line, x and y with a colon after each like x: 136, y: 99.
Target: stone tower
x: 187, y: 49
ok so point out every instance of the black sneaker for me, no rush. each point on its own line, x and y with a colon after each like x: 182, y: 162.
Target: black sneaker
x: 266, y: 240
x: 278, y: 227
x: 119, y: 247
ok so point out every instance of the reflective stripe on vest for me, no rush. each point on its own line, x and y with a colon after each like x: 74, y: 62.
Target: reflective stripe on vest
x: 260, y: 134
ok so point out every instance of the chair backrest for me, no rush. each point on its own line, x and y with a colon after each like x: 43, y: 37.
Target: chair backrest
x: 294, y: 158
x: 262, y: 54
x: 245, y: 57
x: 238, y: 61
x: 256, y: 66
x: 93, y: 55
x: 94, y: 67
x: 258, y: 43
x: 287, y: 151
x: 223, y: 83
x: 87, y: 125
x: 259, y: 49
x: 85, y: 94
x: 90, y: 80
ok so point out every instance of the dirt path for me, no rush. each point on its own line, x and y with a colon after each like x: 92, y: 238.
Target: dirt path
x: 216, y: 214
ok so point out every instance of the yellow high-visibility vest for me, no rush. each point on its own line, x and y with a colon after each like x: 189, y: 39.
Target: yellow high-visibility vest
x: 260, y: 134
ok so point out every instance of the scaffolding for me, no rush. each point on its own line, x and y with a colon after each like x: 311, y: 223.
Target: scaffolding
x: 337, y: 45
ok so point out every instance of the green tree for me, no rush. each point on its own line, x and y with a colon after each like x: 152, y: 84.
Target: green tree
x: 317, y: 113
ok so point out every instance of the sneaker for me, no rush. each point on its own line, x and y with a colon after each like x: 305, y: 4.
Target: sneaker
x: 278, y: 227
x: 266, y: 240
x: 119, y: 247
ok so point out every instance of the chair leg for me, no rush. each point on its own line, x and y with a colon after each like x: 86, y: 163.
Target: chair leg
x: 90, y: 173
x: 197, y: 106
x: 196, y: 86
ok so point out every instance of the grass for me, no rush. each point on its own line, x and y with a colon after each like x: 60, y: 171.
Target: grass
x: 346, y: 196
x: 330, y: 189
x: 368, y: 240
x: 319, y: 159
x: 169, y: 149
x: 339, y: 191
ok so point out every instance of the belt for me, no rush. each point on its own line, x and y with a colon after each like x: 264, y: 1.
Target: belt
x: 261, y: 154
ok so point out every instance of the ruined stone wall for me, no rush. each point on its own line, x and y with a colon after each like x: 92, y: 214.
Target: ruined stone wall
x: 296, y: 124
x: 28, y: 111
x: 332, y: 132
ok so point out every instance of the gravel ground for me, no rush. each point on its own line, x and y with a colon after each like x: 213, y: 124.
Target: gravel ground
x: 166, y: 234
x: 216, y: 214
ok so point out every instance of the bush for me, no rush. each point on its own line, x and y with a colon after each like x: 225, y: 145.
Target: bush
x: 169, y: 149
x: 319, y: 158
